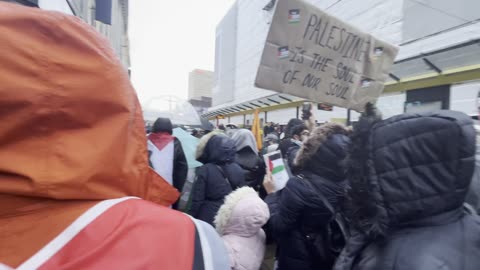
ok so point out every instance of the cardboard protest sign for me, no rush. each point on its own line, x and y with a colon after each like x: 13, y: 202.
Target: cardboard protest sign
x: 276, y: 167
x: 313, y: 55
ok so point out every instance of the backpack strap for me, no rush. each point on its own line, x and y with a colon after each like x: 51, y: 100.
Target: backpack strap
x: 336, y: 215
x: 225, y: 176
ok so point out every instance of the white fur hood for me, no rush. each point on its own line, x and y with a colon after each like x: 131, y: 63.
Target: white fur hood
x: 242, y: 214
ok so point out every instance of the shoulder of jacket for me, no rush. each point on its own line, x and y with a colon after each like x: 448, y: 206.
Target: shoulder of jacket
x: 201, y: 170
x: 210, y: 168
x: 297, y: 185
x: 150, y: 211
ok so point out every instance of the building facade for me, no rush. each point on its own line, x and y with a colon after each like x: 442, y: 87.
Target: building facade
x: 200, y: 84
x: 116, y: 32
x: 438, y: 66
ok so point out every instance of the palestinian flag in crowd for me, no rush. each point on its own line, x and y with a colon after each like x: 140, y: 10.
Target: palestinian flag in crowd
x: 277, y: 168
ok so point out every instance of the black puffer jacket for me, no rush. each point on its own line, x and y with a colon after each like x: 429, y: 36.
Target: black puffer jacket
x: 408, y: 178
x: 473, y: 196
x: 298, y: 210
x: 216, y: 178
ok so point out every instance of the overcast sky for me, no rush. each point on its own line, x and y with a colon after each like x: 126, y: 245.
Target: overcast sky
x: 168, y: 39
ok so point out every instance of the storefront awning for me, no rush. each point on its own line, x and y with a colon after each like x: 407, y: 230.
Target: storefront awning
x: 264, y: 104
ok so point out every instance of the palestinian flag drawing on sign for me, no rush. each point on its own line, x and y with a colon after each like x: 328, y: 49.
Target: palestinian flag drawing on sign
x: 283, y: 52
x: 294, y: 16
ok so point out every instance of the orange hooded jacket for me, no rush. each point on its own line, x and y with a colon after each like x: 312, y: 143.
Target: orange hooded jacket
x: 71, y: 129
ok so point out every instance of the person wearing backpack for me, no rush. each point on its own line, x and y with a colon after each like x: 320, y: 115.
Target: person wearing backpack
x: 217, y: 178
x: 408, y: 177
x: 301, y: 213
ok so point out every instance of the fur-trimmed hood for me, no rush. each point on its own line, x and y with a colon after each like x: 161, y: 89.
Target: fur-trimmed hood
x: 203, y: 143
x: 324, y: 151
x: 216, y: 147
x: 242, y: 214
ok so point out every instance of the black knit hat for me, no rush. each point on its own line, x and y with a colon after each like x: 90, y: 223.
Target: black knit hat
x: 162, y: 125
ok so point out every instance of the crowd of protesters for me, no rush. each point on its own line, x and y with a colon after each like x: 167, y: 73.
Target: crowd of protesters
x: 353, y: 197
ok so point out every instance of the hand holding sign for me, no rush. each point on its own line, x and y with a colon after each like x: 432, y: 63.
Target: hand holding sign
x: 313, y: 55
x: 268, y: 183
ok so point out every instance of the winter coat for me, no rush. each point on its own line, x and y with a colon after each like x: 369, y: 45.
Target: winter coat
x: 239, y: 221
x: 408, y: 178
x: 219, y: 176
x: 298, y: 210
x: 285, y: 145
x: 291, y: 154
x: 180, y: 166
x: 473, y: 195
x: 248, y: 158
x: 253, y: 166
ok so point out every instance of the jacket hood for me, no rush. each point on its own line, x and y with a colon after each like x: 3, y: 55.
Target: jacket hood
x: 325, y: 150
x: 408, y: 167
x: 244, y: 138
x: 202, y: 144
x: 71, y: 124
x: 216, y: 148
x: 162, y: 125
x: 242, y: 214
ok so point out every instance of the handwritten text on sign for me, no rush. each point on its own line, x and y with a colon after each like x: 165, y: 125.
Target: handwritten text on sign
x: 313, y: 55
